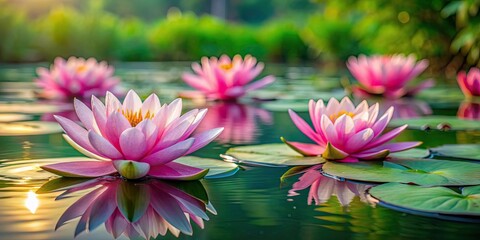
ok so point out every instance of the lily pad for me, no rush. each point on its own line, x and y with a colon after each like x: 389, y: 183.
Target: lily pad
x: 218, y: 168
x: 465, y: 151
x: 422, y: 172
x: 283, y: 105
x: 274, y: 154
x: 34, y: 108
x: 29, y: 128
x: 10, y: 117
x: 411, y: 153
x: 440, y: 200
x: 442, y: 123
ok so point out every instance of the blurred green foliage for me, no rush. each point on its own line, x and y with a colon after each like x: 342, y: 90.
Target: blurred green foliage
x: 444, y: 31
x: 94, y: 32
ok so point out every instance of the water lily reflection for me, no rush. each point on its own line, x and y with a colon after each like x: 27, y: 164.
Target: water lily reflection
x: 406, y: 108
x: 469, y: 110
x: 135, y: 209
x: 239, y: 121
x: 323, y: 188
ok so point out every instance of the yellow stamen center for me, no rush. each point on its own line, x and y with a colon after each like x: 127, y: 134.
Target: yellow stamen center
x: 226, y: 66
x: 335, y: 116
x: 81, y: 68
x: 136, y: 117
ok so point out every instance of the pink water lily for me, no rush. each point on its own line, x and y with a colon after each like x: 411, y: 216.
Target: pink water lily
x: 348, y: 133
x: 225, y: 78
x: 134, y: 139
x: 76, y: 77
x: 470, y: 83
x: 387, y: 75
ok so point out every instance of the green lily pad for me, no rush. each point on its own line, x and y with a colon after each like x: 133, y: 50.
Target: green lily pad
x: 282, y: 106
x: 465, y: 151
x: 29, y: 128
x: 440, y: 200
x: 437, y: 122
x: 34, y: 108
x: 274, y: 154
x: 411, y: 153
x: 12, y: 117
x: 422, y: 172
x: 218, y: 168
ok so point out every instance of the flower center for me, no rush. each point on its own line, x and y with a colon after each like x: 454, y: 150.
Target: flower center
x: 226, y: 66
x: 335, y: 116
x: 136, y: 117
x: 81, y: 68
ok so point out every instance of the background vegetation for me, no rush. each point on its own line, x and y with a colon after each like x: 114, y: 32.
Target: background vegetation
x: 445, y: 32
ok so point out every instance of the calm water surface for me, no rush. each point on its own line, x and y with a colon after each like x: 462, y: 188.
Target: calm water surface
x: 253, y: 204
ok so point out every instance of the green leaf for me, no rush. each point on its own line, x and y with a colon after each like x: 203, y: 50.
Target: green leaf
x: 411, y: 153
x: 465, y: 151
x: 29, y: 128
x: 218, y: 168
x: 437, y: 122
x: 422, y: 172
x: 274, y: 154
x: 440, y: 200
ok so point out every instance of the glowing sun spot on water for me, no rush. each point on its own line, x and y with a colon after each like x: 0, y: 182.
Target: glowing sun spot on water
x: 32, y: 202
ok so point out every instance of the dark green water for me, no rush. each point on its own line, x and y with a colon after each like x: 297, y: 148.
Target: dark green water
x: 253, y: 204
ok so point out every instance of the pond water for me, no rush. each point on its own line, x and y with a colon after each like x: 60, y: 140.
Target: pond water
x: 252, y: 204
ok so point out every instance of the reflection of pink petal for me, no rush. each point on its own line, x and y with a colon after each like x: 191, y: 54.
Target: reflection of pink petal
x: 81, y: 169
x: 177, y: 171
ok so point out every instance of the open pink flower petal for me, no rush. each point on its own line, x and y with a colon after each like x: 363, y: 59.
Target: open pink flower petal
x: 81, y: 168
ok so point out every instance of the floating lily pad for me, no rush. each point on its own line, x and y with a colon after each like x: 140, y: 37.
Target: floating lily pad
x: 422, y: 172
x: 281, y: 106
x: 7, y: 117
x: 218, y: 168
x: 442, y: 95
x: 34, y: 108
x: 411, y: 153
x: 29, y: 128
x: 465, y: 151
x: 274, y: 154
x: 440, y: 200
x: 443, y: 123
x: 21, y: 170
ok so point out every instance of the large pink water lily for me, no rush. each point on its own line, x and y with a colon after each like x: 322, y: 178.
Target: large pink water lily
x: 76, y: 77
x: 470, y: 83
x: 134, y: 139
x: 387, y: 75
x: 226, y: 78
x: 345, y: 132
